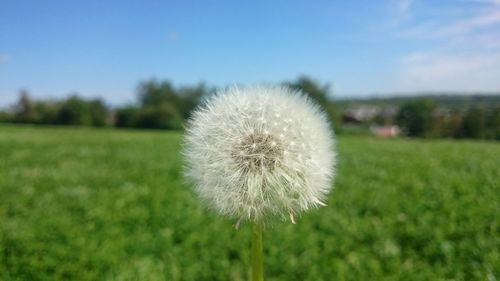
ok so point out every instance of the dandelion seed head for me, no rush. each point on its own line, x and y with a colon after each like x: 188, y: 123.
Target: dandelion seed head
x: 257, y: 152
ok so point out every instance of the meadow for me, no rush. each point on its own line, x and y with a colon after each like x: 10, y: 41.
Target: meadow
x: 107, y: 204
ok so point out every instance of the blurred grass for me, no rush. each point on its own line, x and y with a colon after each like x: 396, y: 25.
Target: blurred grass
x: 88, y: 204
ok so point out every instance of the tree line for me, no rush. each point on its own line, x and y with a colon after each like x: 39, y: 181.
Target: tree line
x: 422, y: 118
x: 73, y: 110
x: 159, y: 105
x: 162, y: 105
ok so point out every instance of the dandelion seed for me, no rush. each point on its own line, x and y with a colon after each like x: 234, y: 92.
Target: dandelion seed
x: 249, y: 169
x: 292, y: 219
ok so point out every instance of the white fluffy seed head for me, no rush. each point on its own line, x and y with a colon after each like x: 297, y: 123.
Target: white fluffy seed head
x: 257, y: 152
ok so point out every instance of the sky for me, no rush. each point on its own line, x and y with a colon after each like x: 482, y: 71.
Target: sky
x: 105, y: 48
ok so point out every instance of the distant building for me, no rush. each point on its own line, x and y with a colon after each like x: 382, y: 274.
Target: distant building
x: 387, y: 131
x: 359, y: 113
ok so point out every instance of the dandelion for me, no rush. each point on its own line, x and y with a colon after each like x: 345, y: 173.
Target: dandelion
x: 254, y: 153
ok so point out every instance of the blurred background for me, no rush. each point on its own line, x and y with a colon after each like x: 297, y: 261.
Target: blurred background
x: 147, y: 65
x: 94, y: 96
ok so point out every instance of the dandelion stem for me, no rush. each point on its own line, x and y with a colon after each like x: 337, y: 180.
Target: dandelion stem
x: 257, y: 260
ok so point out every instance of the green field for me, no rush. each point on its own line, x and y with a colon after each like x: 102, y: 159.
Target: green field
x: 90, y: 204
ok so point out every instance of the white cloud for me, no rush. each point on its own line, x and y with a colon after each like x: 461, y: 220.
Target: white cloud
x: 458, y: 28
x: 488, y: 41
x: 402, y: 11
x: 471, y: 24
x: 461, y: 54
x: 404, y: 8
x: 438, y: 71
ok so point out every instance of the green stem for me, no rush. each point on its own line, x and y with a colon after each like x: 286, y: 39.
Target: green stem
x: 257, y: 260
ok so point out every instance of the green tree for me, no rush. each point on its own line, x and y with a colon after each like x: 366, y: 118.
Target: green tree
x: 74, y: 111
x: 98, y: 112
x: 416, y: 117
x: 47, y: 111
x: 127, y: 116
x: 5, y: 116
x: 190, y: 98
x: 164, y: 116
x: 24, y: 110
x: 452, y: 125
x: 493, y: 123
x: 153, y: 93
x: 474, y: 123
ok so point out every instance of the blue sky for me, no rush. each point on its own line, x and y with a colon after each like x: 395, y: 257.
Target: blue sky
x: 104, y: 48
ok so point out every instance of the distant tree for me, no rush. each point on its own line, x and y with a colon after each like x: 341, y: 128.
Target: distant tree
x: 5, y: 117
x: 47, y: 111
x: 74, y: 111
x: 127, y: 116
x: 24, y: 111
x: 98, y: 112
x: 190, y: 97
x: 164, y: 116
x: 318, y: 93
x: 493, y: 123
x: 153, y: 93
x: 416, y: 117
x: 382, y: 119
x: 452, y: 125
x: 474, y: 123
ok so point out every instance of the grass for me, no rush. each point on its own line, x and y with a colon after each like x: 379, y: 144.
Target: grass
x: 87, y: 204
